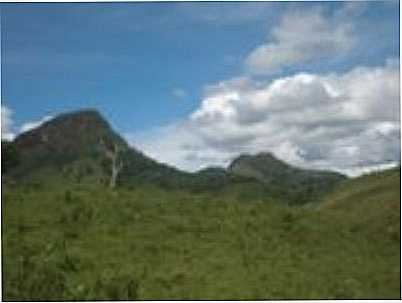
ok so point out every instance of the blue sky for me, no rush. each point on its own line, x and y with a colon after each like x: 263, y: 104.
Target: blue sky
x: 149, y: 67
x: 125, y: 59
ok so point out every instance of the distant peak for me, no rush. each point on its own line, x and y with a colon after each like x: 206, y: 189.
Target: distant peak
x: 260, y: 155
x: 82, y: 116
x: 69, y: 132
x: 86, y: 112
x: 265, y: 155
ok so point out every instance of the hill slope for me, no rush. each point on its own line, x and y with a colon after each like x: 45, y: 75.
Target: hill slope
x: 76, y: 242
x: 303, y: 185
x: 370, y: 203
x: 72, y: 146
x: 75, y: 147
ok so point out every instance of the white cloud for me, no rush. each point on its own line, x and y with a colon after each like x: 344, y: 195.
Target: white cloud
x: 357, y: 171
x: 6, y: 123
x: 178, y: 145
x: 346, y: 122
x: 179, y: 93
x: 302, y: 36
x: 34, y: 124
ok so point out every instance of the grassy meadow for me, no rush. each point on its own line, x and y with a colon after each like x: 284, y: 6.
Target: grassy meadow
x: 83, y: 242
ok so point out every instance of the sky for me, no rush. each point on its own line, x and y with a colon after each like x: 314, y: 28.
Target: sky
x: 196, y: 84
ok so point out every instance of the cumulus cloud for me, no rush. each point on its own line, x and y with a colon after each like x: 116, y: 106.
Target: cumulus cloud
x: 348, y: 122
x: 34, y: 124
x: 178, y: 145
x: 6, y: 123
x: 302, y: 36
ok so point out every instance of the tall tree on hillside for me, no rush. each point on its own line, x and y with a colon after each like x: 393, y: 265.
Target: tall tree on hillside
x: 113, y: 154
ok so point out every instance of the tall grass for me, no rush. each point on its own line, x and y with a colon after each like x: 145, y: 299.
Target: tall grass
x: 91, y: 243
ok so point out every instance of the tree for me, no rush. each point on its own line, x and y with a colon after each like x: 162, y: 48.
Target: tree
x: 9, y: 156
x: 113, y: 153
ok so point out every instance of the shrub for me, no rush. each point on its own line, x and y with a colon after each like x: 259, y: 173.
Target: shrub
x: 68, y: 196
x: 115, y: 287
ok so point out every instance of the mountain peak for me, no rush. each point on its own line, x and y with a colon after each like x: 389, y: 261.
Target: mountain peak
x: 275, y: 173
x: 264, y: 158
x: 69, y: 134
x: 266, y: 155
x: 81, y: 145
x: 82, y: 116
x: 83, y: 112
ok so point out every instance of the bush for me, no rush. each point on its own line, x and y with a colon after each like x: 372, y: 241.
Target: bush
x: 68, y: 196
x: 115, y: 287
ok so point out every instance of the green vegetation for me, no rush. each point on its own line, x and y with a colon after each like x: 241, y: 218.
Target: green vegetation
x: 261, y: 229
x: 83, y: 241
x: 292, y: 184
x: 81, y: 145
x: 10, y: 157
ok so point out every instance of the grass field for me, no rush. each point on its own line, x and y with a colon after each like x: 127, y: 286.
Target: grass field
x: 89, y: 243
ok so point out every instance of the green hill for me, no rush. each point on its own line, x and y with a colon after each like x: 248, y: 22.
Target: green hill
x: 78, y: 147
x: 370, y: 203
x: 73, y: 148
x: 81, y: 242
x: 260, y: 229
x: 294, y: 184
